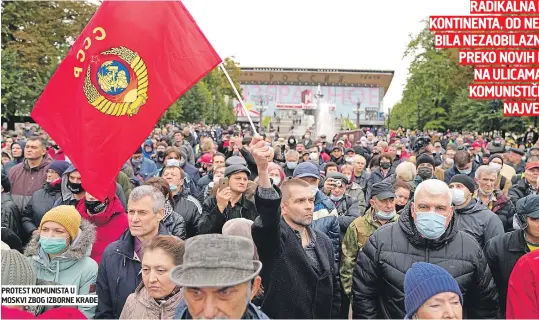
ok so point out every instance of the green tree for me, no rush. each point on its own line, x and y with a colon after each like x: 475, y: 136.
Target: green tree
x: 35, y: 36
x: 209, y: 100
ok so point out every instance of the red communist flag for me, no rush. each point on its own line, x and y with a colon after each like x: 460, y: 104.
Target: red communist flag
x: 129, y: 64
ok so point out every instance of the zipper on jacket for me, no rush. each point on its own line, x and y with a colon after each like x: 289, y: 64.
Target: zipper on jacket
x: 427, y: 258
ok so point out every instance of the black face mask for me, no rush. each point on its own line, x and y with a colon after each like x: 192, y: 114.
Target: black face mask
x: 385, y: 165
x: 75, y: 187
x: 160, y: 154
x: 424, y: 173
x: 95, y: 206
x: 399, y: 207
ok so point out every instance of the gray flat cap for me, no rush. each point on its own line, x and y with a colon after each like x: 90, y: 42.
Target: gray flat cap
x: 236, y: 168
x: 216, y: 260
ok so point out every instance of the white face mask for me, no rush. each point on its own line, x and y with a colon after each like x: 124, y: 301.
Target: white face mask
x: 313, y: 156
x: 458, y: 196
x: 314, y: 189
x: 495, y: 166
x: 276, y: 180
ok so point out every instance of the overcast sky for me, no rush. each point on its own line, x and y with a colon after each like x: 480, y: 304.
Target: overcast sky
x: 353, y: 34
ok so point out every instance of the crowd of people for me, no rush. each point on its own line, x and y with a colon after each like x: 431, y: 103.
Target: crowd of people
x: 212, y: 222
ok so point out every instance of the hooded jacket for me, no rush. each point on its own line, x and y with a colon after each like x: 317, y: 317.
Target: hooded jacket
x: 41, y: 202
x: 378, y: 279
x: 110, y: 225
x: 148, y: 155
x: 325, y: 220
x: 25, y: 180
x: 119, y: 275
x: 140, y: 305
x: 10, y: 213
x: 479, y: 222
x: 15, y: 161
x: 69, y: 199
x: 73, y: 267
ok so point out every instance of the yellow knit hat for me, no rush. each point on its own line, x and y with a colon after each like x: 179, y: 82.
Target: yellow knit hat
x: 67, y: 216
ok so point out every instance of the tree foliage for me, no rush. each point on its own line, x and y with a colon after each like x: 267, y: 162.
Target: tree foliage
x: 439, y: 85
x: 209, y: 100
x: 35, y: 36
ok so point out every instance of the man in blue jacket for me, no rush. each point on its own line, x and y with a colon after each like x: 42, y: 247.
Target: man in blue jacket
x: 119, y: 270
x: 143, y: 168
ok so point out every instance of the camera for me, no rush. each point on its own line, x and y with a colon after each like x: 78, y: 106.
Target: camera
x: 337, y: 183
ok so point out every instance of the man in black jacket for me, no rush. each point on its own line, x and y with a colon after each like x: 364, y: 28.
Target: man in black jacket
x: 119, y: 271
x: 503, y: 251
x: 299, y: 274
x: 426, y: 231
x: 229, y: 203
x: 474, y: 218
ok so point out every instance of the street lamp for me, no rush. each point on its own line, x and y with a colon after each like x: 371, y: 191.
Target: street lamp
x: 358, y: 114
x: 261, y: 109
x: 388, y: 118
x: 213, y: 109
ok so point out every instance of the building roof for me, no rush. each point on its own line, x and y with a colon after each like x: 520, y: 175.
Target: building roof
x: 317, y: 76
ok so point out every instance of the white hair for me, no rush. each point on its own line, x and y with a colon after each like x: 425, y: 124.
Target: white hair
x: 485, y: 170
x: 433, y: 187
x: 158, y: 199
x: 292, y: 153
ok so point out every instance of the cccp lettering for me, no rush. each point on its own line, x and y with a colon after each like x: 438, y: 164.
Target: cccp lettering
x: 99, y: 34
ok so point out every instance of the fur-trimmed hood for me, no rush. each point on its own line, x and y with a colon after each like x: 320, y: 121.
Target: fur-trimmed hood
x: 78, y: 249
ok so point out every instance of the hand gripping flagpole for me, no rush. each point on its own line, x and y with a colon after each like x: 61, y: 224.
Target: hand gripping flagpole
x: 239, y: 98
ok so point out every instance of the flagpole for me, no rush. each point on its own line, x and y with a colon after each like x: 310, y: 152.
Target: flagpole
x: 239, y: 98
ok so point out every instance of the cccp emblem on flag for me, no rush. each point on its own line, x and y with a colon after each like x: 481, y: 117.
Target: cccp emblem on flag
x: 117, y: 80
x: 122, y: 82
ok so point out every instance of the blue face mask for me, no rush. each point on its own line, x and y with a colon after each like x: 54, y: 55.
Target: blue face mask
x: 467, y: 171
x: 53, y: 245
x: 430, y: 224
x: 291, y: 165
x: 173, y: 187
x: 386, y: 215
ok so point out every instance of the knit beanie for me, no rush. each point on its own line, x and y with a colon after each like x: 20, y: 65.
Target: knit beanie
x: 16, y: 270
x: 422, y: 282
x: 499, y: 156
x: 67, y: 216
x: 465, y: 180
x: 59, y: 167
x: 424, y: 158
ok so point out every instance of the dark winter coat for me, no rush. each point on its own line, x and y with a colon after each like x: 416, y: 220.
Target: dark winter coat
x: 118, y: 275
x: 479, y: 222
x: 26, y: 181
x: 293, y: 289
x: 375, y: 177
x: 449, y: 173
x: 174, y: 222
x: 378, y: 279
x: 502, y: 253
x: 348, y: 209
x: 10, y: 213
x: 41, y: 202
x: 519, y: 190
x: 213, y: 220
x: 505, y: 210
x: 191, y: 211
